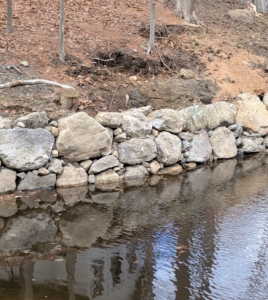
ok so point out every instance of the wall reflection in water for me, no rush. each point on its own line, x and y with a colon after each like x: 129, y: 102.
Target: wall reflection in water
x: 202, y: 235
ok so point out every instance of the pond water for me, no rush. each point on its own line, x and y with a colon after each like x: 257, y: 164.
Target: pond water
x: 201, y: 235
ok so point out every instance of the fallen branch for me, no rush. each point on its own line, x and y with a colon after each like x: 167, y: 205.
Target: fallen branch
x: 17, y: 69
x: 175, y: 72
x: 33, y: 81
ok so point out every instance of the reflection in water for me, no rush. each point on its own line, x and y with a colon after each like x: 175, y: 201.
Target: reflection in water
x: 202, y: 235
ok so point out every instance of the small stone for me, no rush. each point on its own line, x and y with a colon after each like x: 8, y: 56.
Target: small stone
x: 53, y: 123
x: 24, y: 63
x: 116, y: 169
x: 86, y: 164
x: 35, y: 172
x: 20, y: 124
x: 246, y: 133
x: 91, y: 179
x: 48, y: 128
x: 146, y: 164
x: 118, y: 131
x: 172, y: 170
x: 161, y: 165
x: 43, y: 171
x: 238, y: 142
x: 115, y: 153
x: 191, y: 166
x: 120, y: 138
x: 55, y: 166
x: 133, y: 78
x: 188, y: 136
x: 154, y: 167
x: 155, y: 132
x: 187, y: 74
x: 54, y: 131
x: 21, y: 175
x: 55, y: 153
x: 106, y: 152
x: 233, y: 127
x: 121, y: 166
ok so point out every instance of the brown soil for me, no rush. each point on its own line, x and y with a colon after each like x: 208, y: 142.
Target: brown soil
x: 104, y: 43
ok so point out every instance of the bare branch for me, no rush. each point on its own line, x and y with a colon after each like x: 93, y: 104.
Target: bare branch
x: 32, y: 82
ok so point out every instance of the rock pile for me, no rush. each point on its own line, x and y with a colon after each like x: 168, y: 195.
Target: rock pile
x: 115, y: 147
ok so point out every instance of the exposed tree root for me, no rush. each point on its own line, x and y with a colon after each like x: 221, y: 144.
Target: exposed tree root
x: 33, y: 81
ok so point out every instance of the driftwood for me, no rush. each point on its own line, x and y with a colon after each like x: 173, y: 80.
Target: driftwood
x: 33, y: 81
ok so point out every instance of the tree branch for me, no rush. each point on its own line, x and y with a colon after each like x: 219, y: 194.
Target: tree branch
x: 32, y: 82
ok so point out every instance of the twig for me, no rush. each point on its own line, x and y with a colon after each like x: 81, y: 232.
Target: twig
x: 33, y: 81
x: 175, y: 72
x: 110, y: 59
x: 17, y: 69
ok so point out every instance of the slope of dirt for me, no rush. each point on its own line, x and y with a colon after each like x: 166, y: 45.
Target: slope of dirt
x: 105, y: 43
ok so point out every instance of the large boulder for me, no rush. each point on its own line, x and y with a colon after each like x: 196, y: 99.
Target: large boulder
x: 195, y: 117
x: 136, y: 151
x: 35, y: 182
x: 7, y: 180
x: 168, y: 148
x: 135, y: 124
x: 25, y: 149
x: 251, y: 113
x: 104, y: 163
x: 167, y: 120
x: 223, y: 143
x: 220, y: 114
x: 81, y: 137
x: 109, y: 119
x: 33, y: 120
x: 72, y: 175
x: 200, y: 150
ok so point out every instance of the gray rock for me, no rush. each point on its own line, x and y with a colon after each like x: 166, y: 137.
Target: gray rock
x: 73, y: 195
x: 195, y: 117
x: 252, y: 114
x: 104, y: 163
x: 118, y: 131
x: 109, y: 119
x: 136, y: 125
x: 167, y: 120
x: 237, y: 132
x: 8, y: 206
x: 135, y: 172
x: 223, y: 143
x: 238, y: 142
x: 201, y: 149
x: 5, y: 123
x: 143, y: 110
x: 168, y: 148
x: 53, y: 123
x: 120, y: 137
x: 241, y: 16
x: 185, y: 146
x: 7, y: 180
x: 252, y: 145
x: 81, y: 137
x: 43, y: 171
x: 106, y: 177
x: 21, y: 175
x: 58, y: 207
x: 136, y: 151
x: 72, y: 175
x: 34, y: 182
x: 154, y: 167
x: 91, y: 179
x: 188, y: 136
x: 25, y: 149
x: 55, y: 166
x: 33, y: 120
x: 24, y: 231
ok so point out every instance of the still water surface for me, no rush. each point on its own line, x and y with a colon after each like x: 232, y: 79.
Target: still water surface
x: 202, y: 235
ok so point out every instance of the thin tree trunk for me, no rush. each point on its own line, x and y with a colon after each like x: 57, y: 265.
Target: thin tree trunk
x: 152, y: 22
x: 185, y: 10
x: 9, y: 15
x: 61, y: 51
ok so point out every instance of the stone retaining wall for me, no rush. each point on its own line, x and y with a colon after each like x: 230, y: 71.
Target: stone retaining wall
x: 36, y: 153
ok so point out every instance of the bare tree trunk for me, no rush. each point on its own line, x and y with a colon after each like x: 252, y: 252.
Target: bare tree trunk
x: 61, y: 51
x: 9, y: 15
x: 185, y: 10
x: 152, y: 21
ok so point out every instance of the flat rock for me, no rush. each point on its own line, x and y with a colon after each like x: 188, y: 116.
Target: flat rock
x: 135, y: 151
x: 167, y: 120
x: 168, y: 148
x: 251, y: 114
x: 81, y: 137
x: 8, y: 206
x: 7, y: 180
x: 107, y: 177
x: 34, y: 182
x: 172, y: 170
x: 109, y: 119
x: 223, y: 143
x: 135, y: 172
x: 136, y: 125
x: 25, y: 149
x: 201, y: 149
x: 72, y: 175
x: 33, y: 120
x: 104, y: 163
